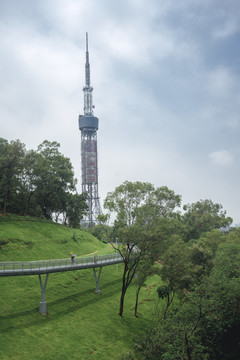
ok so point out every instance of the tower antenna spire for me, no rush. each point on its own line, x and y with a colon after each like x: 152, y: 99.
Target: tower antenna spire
x: 88, y: 125
x: 86, y: 41
x: 88, y: 105
x: 87, y: 65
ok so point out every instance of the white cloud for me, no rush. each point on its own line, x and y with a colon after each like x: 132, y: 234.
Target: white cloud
x: 221, y: 157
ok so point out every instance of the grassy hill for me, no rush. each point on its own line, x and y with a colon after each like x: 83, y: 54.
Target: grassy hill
x: 79, y: 324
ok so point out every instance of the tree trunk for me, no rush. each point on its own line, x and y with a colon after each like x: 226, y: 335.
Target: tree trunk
x: 128, y: 274
x: 27, y: 203
x: 188, y: 348
x: 5, y: 203
x: 169, y: 302
x: 124, y: 288
x: 136, y: 304
x: 121, y: 304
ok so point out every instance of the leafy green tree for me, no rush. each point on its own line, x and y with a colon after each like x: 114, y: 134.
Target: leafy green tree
x: 126, y: 200
x: 203, y: 216
x: 4, y: 157
x: 203, y: 251
x: 11, y: 164
x: 177, y: 271
x: 233, y: 236
x: 25, y: 202
x: 39, y: 183
x: 132, y: 247
x: 137, y: 206
x: 76, y: 207
x: 53, y: 178
x: 160, y: 204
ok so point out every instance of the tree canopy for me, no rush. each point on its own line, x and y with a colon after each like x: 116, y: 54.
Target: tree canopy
x: 137, y: 208
x: 39, y: 183
x: 203, y: 216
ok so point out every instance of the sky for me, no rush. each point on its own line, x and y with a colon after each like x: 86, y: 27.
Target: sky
x: 166, y: 79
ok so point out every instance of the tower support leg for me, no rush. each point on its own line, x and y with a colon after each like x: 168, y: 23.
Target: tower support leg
x: 97, y: 277
x: 43, y: 304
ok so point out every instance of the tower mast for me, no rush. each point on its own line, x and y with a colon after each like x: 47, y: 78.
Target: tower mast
x: 88, y: 125
x: 88, y: 106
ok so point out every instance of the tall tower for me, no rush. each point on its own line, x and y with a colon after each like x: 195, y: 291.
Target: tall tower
x: 88, y: 125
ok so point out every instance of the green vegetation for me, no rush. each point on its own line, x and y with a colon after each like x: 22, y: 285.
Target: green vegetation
x: 39, y: 183
x: 138, y: 207
x: 79, y: 324
x: 198, y: 262
x: 203, y: 321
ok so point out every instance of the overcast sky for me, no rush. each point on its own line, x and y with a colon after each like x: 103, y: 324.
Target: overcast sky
x: 166, y: 79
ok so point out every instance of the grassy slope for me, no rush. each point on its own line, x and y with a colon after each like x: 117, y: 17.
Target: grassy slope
x: 79, y: 323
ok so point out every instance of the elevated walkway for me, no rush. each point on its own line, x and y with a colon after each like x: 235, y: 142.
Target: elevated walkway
x: 18, y: 268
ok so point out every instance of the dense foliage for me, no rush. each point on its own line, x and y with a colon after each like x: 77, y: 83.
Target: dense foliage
x: 203, y: 321
x: 197, y: 256
x: 39, y: 183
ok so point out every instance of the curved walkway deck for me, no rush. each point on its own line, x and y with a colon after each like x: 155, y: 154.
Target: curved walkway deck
x: 17, y: 268
x: 42, y: 267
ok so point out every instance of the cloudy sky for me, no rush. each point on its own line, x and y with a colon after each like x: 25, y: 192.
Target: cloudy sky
x: 166, y: 78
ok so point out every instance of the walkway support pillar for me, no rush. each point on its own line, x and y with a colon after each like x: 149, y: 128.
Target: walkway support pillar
x: 43, y: 304
x: 97, y: 277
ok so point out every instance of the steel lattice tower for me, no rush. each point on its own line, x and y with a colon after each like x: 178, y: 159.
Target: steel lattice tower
x: 88, y: 125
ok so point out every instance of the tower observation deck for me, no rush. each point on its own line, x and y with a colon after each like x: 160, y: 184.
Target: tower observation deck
x: 88, y: 125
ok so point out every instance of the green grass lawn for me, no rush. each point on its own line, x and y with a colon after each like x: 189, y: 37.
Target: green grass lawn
x: 79, y: 323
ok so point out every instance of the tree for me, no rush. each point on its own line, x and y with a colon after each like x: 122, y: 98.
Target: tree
x: 203, y: 216
x: 137, y: 206
x: 76, y: 207
x: 11, y: 156
x: 160, y: 204
x: 53, y: 178
x: 4, y: 155
x: 177, y: 271
x: 203, y: 251
x: 132, y: 248
x: 39, y: 183
x: 25, y: 203
x: 126, y: 200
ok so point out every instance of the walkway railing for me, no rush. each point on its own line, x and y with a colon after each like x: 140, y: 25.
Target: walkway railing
x: 57, y: 265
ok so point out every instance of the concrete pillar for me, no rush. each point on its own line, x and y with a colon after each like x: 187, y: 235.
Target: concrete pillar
x: 43, y: 304
x: 97, y: 277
